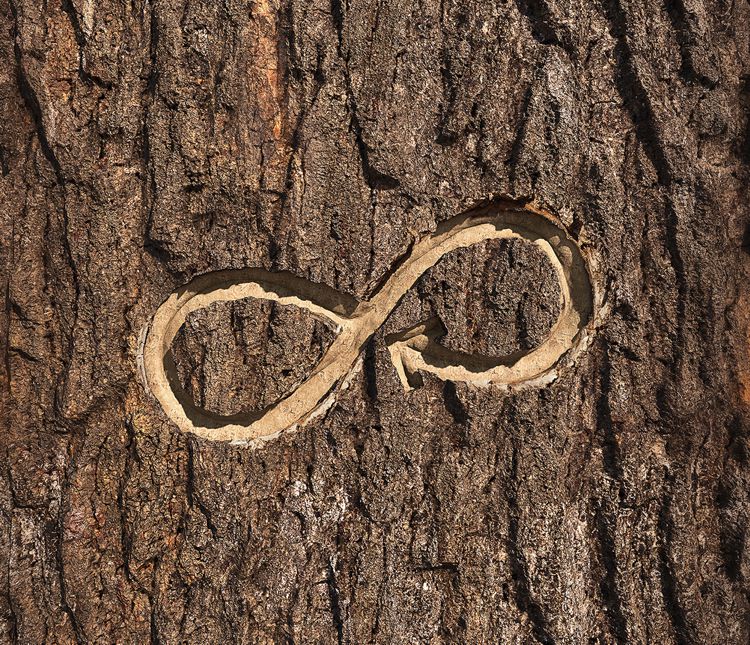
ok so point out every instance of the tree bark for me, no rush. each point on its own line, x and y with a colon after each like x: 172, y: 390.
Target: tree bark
x: 143, y: 144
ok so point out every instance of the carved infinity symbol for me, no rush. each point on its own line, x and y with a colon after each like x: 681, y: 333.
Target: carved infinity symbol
x: 412, y: 351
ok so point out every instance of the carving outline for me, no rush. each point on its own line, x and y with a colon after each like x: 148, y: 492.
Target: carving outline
x: 412, y: 351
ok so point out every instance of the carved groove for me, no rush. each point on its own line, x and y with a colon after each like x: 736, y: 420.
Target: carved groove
x: 412, y: 351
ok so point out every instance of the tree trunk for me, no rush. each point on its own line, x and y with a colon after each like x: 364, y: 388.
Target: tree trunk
x: 145, y: 144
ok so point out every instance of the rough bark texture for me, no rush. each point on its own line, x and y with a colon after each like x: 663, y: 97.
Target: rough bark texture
x: 143, y: 143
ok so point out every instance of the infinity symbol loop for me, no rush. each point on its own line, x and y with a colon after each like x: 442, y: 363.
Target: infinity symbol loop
x: 412, y: 351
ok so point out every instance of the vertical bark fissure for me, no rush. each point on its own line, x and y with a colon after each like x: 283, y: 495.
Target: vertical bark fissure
x: 375, y: 179
x: 192, y: 499
x: 605, y: 426
x: 453, y: 403
x: 606, y: 522
x: 80, y: 37
x: 606, y: 525
x: 683, y: 24
x: 683, y: 632
x: 544, y: 28
x: 78, y: 631
x: 524, y: 597
x: 636, y: 99
x: 31, y: 101
x: 634, y: 94
x: 334, y: 597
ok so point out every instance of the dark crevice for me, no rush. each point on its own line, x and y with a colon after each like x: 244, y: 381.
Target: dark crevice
x: 738, y: 437
x: 290, y: 41
x: 4, y: 167
x: 21, y: 353
x: 153, y: 629
x: 126, y: 541
x: 457, y: 64
x: 63, y: 509
x: 335, y: 600
x: 605, y: 426
x: 522, y: 324
x: 665, y: 534
x: 370, y: 370
x: 453, y: 404
x: 448, y: 567
x: 86, y: 76
x: 543, y: 26
x: 743, y: 140
x: 153, y: 45
x: 8, y: 323
x: 337, y: 13
x: 190, y: 489
x: 732, y: 540
x: 683, y: 23
x: 514, y: 159
x: 375, y: 179
x: 608, y: 584
x: 360, y: 504
x: 446, y: 137
x: 157, y: 249
x: 745, y: 245
x: 517, y: 564
x: 275, y: 248
x: 671, y: 226
x: 12, y: 615
x: 32, y: 103
x: 633, y: 93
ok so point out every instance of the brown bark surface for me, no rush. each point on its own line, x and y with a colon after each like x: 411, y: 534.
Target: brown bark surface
x: 144, y: 143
